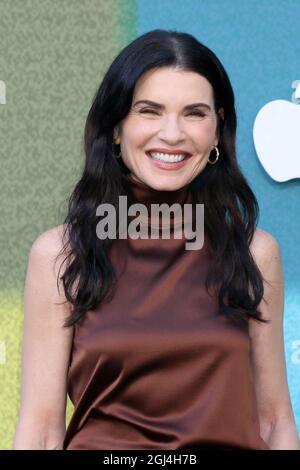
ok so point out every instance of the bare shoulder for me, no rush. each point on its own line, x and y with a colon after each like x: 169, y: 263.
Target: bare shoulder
x: 47, y: 247
x: 264, y: 247
x: 45, y: 265
x: 267, y: 340
x: 46, y: 348
x: 49, y: 242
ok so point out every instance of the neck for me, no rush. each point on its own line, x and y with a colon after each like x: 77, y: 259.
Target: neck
x: 147, y: 195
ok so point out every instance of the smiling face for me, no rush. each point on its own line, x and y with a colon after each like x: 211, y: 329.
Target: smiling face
x: 170, y: 126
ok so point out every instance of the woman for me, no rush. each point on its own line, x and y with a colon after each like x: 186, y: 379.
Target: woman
x: 151, y: 357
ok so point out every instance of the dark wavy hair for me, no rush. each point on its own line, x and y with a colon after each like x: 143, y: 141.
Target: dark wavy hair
x: 232, y: 209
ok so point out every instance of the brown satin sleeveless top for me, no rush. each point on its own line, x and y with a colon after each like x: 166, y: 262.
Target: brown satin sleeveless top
x: 158, y: 367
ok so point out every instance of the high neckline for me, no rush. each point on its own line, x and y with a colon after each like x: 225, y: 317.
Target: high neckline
x: 147, y: 195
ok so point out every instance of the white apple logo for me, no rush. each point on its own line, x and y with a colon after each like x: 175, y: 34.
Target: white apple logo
x: 276, y: 135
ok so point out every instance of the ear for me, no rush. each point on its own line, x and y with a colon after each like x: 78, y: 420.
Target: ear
x: 221, y: 112
x: 117, y: 139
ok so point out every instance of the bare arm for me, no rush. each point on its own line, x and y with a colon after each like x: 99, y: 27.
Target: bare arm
x: 46, y: 349
x: 277, y: 421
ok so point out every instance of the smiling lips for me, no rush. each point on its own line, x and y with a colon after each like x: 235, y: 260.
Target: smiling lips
x: 170, y: 151
x: 166, y: 159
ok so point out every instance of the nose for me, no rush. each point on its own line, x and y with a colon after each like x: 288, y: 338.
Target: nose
x: 171, y: 131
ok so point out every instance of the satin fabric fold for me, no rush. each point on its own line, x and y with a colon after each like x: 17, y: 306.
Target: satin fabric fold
x: 159, y: 367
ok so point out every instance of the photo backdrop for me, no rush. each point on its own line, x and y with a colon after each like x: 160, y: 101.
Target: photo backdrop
x: 53, y: 57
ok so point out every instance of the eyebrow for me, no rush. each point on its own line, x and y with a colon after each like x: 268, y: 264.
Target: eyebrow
x: 160, y: 106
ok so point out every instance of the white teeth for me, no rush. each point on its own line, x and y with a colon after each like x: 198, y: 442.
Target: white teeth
x: 165, y: 157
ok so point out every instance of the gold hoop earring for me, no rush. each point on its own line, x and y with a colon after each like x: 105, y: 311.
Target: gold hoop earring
x: 217, y: 156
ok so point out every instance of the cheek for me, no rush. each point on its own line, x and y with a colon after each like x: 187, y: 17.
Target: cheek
x: 203, y: 135
x: 137, y: 131
x: 145, y: 126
